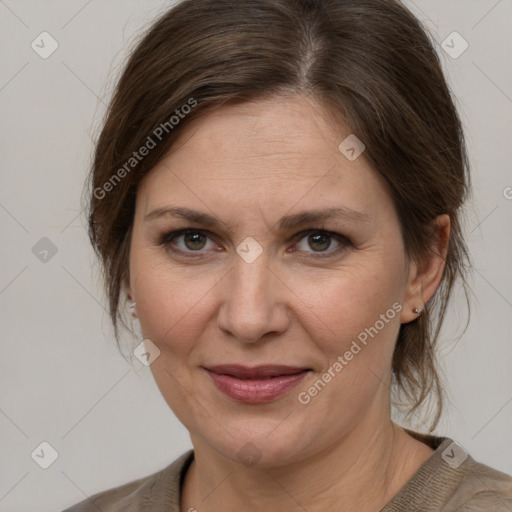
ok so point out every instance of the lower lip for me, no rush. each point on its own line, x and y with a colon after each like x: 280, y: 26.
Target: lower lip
x: 256, y: 391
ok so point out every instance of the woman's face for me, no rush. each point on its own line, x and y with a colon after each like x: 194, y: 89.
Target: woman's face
x: 265, y: 286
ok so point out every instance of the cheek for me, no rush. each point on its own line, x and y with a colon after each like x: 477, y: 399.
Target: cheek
x: 356, y: 310
x: 168, y: 310
x: 171, y: 311
x: 172, y: 302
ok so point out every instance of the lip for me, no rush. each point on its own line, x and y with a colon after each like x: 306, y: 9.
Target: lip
x: 255, y: 372
x: 258, y: 384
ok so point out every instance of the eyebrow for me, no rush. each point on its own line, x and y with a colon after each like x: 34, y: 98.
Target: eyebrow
x: 285, y: 223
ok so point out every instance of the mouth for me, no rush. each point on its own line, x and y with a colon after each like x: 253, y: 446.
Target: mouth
x: 257, y: 384
x: 261, y: 372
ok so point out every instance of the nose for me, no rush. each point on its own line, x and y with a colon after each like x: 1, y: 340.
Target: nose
x: 254, y: 302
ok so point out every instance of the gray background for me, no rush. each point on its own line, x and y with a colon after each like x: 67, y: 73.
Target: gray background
x: 62, y: 378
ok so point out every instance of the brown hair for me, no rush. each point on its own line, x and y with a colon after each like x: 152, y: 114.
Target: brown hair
x: 369, y: 61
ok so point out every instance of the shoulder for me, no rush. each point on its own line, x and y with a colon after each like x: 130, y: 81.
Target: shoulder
x: 155, y: 492
x: 450, y: 480
x: 481, y: 488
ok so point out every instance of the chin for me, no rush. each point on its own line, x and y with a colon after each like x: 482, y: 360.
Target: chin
x: 261, y: 444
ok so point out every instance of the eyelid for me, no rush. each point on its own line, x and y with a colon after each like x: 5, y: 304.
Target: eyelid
x: 341, y: 239
x: 169, y: 236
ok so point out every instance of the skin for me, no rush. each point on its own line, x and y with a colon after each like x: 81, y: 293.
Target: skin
x: 250, y: 165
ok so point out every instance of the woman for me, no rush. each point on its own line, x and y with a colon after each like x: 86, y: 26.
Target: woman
x: 276, y: 191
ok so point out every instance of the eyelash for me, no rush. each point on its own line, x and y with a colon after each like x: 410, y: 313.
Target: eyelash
x: 167, y: 238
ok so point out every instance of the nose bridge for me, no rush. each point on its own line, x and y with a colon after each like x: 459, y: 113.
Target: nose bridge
x: 250, y: 280
x: 250, y: 308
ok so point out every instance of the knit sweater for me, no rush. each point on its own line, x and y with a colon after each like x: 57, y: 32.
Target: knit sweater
x: 450, y: 480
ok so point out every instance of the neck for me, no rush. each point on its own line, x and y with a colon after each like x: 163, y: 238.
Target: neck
x: 362, y: 471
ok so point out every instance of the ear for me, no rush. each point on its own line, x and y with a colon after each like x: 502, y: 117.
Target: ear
x: 425, y: 275
x: 129, y: 294
x: 127, y: 289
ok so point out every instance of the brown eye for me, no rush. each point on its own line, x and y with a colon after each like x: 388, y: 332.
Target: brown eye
x: 189, y: 242
x: 194, y: 241
x: 319, y: 242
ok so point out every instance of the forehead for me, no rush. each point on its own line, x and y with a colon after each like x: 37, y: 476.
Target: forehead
x: 272, y: 153
x: 284, y: 128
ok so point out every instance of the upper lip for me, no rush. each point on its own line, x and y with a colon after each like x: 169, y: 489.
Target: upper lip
x: 255, y: 372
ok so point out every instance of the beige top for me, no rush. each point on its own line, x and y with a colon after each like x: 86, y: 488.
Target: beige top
x: 450, y: 480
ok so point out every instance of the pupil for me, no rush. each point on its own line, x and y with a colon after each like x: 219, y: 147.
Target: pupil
x: 195, y: 241
x: 318, y: 239
x: 191, y: 239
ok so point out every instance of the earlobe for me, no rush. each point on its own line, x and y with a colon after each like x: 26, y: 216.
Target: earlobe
x: 426, y: 275
x: 130, y: 297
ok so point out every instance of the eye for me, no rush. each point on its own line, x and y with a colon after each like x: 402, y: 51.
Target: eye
x: 320, y: 241
x: 192, y: 241
x: 195, y: 243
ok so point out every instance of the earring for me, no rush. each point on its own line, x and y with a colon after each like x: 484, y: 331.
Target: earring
x: 417, y: 311
x: 132, y: 309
